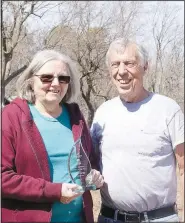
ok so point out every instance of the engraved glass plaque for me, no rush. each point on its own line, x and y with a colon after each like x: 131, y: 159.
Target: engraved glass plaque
x: 79, y: 167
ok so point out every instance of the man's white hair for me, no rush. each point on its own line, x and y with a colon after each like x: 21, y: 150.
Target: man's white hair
x: 120, y: 44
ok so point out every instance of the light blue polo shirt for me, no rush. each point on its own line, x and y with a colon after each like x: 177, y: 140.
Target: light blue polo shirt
x: 58, y: 139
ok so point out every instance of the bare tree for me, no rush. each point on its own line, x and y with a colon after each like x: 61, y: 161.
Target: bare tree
x: 173, y: 85
x: 86, y: 45
x: 84, y: 32
x: 14, y: 32
x: 125, y: 21
x: 166, y: 33
x: 86, y: 38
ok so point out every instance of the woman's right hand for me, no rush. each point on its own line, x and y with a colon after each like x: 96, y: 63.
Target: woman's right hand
x: 68, y: 193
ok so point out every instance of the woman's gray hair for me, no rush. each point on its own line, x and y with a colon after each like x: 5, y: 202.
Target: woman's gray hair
x: 24, y: 83
x: 120, y: 44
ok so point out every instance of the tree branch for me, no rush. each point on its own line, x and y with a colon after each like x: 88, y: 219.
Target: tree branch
x: 14, y: 74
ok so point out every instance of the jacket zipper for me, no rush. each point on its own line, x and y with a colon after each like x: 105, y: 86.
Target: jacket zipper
x: 49, y: 219
x: 33, y: 151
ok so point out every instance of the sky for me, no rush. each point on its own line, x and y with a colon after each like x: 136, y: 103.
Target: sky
x: 53, y: 18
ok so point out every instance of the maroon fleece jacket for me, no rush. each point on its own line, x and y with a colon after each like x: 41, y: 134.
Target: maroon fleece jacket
x: 27, y: 190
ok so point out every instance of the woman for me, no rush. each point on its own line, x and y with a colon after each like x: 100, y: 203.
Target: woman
x: 38, y: 131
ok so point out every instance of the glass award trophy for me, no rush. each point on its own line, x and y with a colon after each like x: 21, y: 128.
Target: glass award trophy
x: 79, y: 168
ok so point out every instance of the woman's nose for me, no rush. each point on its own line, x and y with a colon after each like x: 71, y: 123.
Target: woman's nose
x: 55, y: 81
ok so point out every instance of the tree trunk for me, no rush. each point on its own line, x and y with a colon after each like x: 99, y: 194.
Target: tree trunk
x: 2, y: 94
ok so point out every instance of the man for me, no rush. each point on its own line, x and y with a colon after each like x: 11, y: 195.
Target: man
x: 140, y: 136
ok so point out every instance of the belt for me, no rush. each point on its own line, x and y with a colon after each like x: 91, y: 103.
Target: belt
x: 125, y: 216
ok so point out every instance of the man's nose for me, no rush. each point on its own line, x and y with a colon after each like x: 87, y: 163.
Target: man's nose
x: 122, y: 68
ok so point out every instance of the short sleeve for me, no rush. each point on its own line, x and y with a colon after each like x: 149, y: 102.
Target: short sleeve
x: 176, y: 128
x: 96, y: 131
x: 97, y: 127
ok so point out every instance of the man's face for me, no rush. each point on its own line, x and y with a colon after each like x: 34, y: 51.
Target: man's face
x: 127, y: 72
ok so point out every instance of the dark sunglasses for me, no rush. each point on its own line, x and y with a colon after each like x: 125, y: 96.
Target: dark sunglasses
x: 48, y: 78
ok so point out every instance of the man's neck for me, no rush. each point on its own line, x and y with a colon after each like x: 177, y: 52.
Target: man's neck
x: 137, y: 98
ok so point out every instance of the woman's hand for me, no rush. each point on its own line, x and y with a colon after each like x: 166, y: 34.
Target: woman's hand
x: 68, y: 193
x: 96, y: 178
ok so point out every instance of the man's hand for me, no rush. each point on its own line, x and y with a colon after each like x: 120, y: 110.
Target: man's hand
x: 96, y: 178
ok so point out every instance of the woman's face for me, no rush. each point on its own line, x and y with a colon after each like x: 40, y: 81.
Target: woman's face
x: 50, y: 83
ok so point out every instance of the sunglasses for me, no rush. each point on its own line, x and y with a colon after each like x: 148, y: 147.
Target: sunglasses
x: 48, y: 78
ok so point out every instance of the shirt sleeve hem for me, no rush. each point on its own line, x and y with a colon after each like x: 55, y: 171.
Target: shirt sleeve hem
x: 177, y: 143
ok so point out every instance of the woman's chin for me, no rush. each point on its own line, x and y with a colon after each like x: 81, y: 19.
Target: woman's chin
x: 55, y: 100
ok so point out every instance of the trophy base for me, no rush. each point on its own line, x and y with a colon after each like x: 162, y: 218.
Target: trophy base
x: 90, y: 187
x: 81, y: 189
